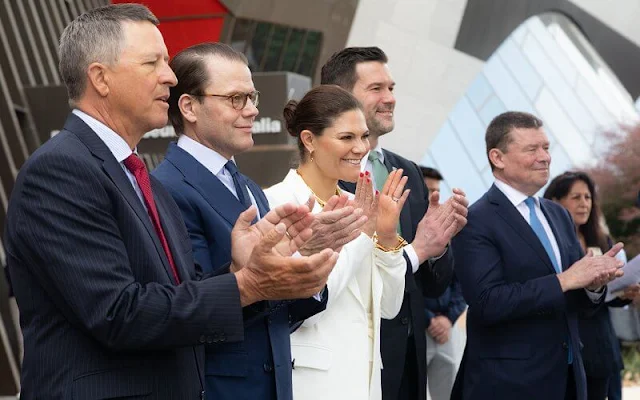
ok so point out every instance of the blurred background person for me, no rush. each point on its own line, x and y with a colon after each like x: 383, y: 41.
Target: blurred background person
x: 337, y: 352
x: 601, y: 353
x: 445, y: 338
x: 432, y: 178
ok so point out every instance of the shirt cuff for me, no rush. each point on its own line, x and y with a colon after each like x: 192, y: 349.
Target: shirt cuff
x: 595, y: 296
x: 413, y: 257
x: 317, y: 296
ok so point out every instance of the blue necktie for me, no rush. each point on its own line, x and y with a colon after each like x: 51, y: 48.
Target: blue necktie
x: 241, y: 185
x: 538, y: 229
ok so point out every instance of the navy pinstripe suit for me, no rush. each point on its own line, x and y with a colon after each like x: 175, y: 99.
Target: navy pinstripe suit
x: 99, y: 313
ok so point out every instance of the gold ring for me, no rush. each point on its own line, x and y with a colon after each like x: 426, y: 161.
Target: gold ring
x: 288, y: 235
x: 395, y: 199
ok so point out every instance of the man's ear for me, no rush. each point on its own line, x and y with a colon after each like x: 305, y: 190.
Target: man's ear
x: 187, y: 105
x: 98, y: 78
x: 496, y: 157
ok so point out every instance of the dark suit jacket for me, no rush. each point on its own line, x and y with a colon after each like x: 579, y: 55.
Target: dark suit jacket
x: 429, y: 280
x: 450, y: 304
x: 260, y: 366
x: 601, y: 352
x: 100, y: 313
x: 519, y: 321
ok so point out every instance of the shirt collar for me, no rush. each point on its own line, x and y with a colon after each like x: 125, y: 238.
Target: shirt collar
x: 116, y: 143
x: 365, y: 159
x: 515, y: 196
x: 210, y: 159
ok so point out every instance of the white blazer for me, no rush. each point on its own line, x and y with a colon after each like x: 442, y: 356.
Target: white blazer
x: 331, y: 350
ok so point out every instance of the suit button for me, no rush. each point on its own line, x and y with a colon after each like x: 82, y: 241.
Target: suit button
x: 404, y: 320
x: 210, y: 340
x: 565, y: 346
x: 202, y: 339
x: 267, y: 367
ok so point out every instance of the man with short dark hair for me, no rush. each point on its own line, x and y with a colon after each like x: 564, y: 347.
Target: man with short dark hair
x: 428, y: 225
x: 212, y: 108
x: 101, y: 265
x: 432, y: 178
x: 524, y: 277
x: 445, y: 340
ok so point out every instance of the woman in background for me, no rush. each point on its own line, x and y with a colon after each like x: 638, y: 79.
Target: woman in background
x: 337, y: 352
x: 601, y: 353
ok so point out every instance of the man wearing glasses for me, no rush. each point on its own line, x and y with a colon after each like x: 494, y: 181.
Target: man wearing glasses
x: 212, y: 109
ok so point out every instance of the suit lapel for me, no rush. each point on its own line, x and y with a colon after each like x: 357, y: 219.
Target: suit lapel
x: 168, y: 230
x: 301, y: 191
x: 513, y: 218
x: 405, y: 215
x: 114, y: 170
x: 205, y: 183
x: 258, y: 195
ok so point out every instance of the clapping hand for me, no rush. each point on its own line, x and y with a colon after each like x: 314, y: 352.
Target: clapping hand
x: 261, y: 254
x: 440, y: 224
x: 244, y: 236
x: 390, y: 203
x: 366, y: 200
x: 336, y: 225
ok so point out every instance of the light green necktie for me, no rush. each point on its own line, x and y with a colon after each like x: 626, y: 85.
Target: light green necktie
x: 380, y: 174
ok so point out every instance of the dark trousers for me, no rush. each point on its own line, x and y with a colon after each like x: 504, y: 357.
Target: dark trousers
x: 571, y: 391
x: 597, y: 388
x: 615, y: 387
x: 409, y: 383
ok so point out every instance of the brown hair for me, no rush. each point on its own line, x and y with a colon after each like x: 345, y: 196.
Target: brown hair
x: 340, y: 69
x: 317, y: 111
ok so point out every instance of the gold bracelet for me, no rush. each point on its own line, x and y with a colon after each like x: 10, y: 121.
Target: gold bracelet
x: 400, y: 245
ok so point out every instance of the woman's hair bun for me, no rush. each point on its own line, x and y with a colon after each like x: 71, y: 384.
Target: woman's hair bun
x: 289, y: 114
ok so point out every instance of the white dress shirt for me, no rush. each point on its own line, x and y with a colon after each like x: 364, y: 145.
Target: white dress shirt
x: 214, y: 162
x: 116, y: 144
x: 517, y: 198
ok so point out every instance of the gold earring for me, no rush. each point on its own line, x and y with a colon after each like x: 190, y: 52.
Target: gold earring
x: 311, y: 155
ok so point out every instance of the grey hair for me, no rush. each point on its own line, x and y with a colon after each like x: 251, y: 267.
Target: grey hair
x: 95, y: 36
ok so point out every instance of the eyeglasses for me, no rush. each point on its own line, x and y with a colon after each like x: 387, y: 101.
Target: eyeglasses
x: 238, y: 100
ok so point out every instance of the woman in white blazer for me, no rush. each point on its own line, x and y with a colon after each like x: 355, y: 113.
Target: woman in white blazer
x: 337, y: 353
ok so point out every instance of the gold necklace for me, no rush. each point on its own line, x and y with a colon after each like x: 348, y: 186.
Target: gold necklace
x: 321, y: 202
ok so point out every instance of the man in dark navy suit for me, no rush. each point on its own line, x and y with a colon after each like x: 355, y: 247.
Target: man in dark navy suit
x: 524, y: 277
x: 213, y: 108
x: 426, y: 224
x: 101, y: 264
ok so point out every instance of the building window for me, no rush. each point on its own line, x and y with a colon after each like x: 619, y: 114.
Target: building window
x: 275, y: 47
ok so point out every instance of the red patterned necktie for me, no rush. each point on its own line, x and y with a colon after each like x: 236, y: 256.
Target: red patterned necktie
x: 138, y: 169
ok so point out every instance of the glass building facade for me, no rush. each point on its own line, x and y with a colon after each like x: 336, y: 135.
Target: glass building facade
x: 548, y: 68
x: 275, y: 47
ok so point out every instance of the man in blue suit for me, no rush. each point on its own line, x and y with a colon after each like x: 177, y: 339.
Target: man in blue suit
x: 212, y: 109
x: 524, y: 277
